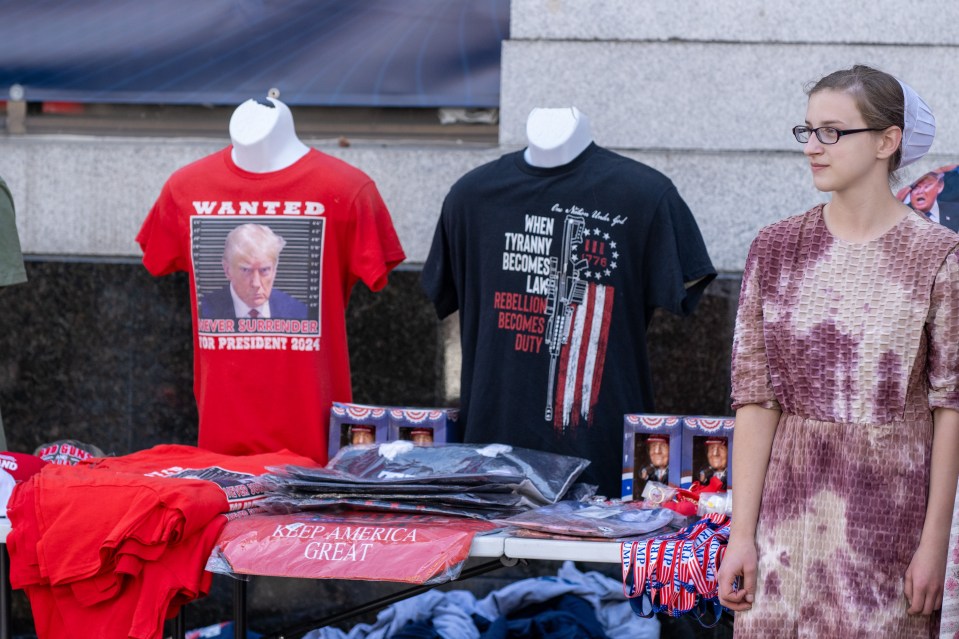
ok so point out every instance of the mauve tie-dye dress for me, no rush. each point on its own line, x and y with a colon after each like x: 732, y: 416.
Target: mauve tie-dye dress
x: 855, y: 343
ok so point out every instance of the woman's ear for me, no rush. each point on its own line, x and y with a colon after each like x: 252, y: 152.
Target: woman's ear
x: 889, y: 141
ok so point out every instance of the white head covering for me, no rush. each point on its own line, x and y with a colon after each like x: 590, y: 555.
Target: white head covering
x: 919, y: 129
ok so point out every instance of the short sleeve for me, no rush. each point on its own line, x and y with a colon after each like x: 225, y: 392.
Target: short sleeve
x: 12, y: 270
x: 160, y: 237
x: 942, y: 328
x: 376, y: 248
x: 437, y: 278
x: 751, y: 382
x: 677, y: 267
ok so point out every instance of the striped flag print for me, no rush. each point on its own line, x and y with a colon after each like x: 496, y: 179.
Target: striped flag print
x: 582, y: 359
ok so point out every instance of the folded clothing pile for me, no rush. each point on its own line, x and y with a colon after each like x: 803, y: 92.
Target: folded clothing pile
x: 469, y: 480
x: 595, y: 520
x: 114, y: 546
x: 459, y: 614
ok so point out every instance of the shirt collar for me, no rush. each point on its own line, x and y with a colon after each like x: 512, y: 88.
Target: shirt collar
x: 241, y: 308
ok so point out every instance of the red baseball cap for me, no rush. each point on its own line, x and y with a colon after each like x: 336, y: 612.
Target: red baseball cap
x: 20, y: 466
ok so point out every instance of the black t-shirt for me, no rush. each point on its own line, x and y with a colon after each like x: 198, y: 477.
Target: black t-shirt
x: 555, y: 273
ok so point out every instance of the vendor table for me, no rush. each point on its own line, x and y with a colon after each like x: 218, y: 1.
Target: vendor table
x: 501, y: 548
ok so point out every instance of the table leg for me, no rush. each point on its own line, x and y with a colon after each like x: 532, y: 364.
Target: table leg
x: 383, y: 602
x: 179, y: 625
x: 4, y: 593
x: 239, y: 609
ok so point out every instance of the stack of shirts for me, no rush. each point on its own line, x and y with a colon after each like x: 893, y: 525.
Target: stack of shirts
x: 590, y: 521
x: 115, y: 546
x: 468, y: 480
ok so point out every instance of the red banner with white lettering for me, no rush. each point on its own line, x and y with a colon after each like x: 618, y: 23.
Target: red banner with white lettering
x: 368, y: 546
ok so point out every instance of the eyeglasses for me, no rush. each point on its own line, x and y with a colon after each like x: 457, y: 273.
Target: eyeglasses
x: 825, y: 134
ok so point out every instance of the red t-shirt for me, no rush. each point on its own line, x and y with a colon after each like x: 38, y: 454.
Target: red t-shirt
x: 265, y: 382
x: 114, y: 545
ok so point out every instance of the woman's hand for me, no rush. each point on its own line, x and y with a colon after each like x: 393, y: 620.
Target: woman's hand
x: 739, y: 563
x: 925, y: 578
x: 926, y: 573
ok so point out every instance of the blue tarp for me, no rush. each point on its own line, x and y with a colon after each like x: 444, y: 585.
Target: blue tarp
x: 410, y: 53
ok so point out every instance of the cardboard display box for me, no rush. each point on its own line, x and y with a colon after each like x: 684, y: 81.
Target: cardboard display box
x: 425, y: 426
x: 652, y: 445
x: 345, y: 416
x: 707, y: 450
x: 359, y: 424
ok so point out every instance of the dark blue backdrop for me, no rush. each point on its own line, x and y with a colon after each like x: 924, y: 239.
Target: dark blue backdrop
x: 411, y: 53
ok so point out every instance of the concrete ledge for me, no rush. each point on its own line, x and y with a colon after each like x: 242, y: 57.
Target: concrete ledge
x: 703, y: 95
x: 89, y: 196
x: 892, y: 22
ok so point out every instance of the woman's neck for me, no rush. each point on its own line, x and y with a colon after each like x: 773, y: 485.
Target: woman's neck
x: 556, y: 136
x: 263, y: 136
x: 862, y: 214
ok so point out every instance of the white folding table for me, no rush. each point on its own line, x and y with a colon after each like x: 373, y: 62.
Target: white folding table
x: 502, y: 549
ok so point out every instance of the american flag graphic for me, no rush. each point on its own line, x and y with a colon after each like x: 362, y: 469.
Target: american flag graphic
x: 582, y: 358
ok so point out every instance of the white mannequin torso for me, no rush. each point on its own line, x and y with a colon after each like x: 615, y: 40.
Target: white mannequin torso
x: 556, y: 136
x: 263, y: 137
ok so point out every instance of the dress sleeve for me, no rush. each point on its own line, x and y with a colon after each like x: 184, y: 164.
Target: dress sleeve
x: 751, y: 383
x: 942, y: 327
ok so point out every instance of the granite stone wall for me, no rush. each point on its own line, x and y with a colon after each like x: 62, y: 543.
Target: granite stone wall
x: 102, y: 352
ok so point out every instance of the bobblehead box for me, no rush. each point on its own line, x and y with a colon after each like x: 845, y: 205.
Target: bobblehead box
x: 707, y: 451
x: 358, y: 424
x: 651, y: 450
x: 425, y: 426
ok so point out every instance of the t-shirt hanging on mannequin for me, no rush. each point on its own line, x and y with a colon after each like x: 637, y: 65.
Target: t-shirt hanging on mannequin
x: 274, y: 235
x: 555, y: 258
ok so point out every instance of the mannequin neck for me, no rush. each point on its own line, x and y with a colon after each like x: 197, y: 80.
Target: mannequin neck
x: 556, y: 136
x: 263, y: 137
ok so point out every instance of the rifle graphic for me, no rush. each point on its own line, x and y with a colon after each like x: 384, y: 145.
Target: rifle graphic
x: 563, y: 289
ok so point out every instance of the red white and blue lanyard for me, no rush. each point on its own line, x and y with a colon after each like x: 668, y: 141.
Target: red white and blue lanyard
x: 677, y: 573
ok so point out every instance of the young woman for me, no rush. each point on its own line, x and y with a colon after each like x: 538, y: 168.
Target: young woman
x: 846, y: 387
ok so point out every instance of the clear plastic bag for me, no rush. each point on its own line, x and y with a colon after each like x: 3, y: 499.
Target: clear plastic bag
x: 396, y: 547
x: 656, y: 493
x: 539, y: 477
x: 608, y: 520
x: 719, y: 503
